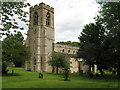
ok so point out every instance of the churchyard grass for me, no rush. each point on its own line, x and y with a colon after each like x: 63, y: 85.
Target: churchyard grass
x: 27, y: 79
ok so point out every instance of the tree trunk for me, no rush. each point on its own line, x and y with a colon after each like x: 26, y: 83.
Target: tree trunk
x: 53, y: 69
x: 93, y: 68
x: 101, y: 71
x: 57, y: 70
x: 79, y: 67
x: 118, y: 72
x: 90, y: 68
x: 66, y: 75
x: 12, y: 72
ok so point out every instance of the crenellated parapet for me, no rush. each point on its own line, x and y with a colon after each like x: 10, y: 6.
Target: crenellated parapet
x: 41, y: 5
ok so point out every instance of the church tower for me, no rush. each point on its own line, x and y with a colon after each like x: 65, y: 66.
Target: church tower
x: 40, y: 37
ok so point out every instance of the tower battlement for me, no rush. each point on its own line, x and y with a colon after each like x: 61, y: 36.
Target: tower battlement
x: 41, y: 5
x: 41, y: 36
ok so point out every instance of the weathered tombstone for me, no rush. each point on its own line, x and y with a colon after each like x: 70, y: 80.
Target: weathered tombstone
x: 40, y: 75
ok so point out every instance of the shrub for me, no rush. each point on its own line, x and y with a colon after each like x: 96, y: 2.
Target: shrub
x: 4, y: 68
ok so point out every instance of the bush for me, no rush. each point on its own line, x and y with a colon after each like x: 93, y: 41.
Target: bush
x: 81, y: 72
x: 4, y: 68
x: 90, y: 74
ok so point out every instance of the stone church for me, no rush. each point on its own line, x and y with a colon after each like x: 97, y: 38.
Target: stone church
x: 41, y: 40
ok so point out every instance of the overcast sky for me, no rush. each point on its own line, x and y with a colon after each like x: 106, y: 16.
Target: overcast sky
x: 70, y: 16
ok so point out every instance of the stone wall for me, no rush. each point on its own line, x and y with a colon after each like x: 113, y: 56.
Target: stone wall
x: 40, y: 38
x: 65, y: 49
x: 70, y: 50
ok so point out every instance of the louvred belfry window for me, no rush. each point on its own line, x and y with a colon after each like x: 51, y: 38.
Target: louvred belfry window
x: 35, y: 18
x: 48, y: 19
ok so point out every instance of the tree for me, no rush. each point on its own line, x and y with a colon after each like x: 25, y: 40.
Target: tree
x: 14, y: 50
x: 10, y: 11
x: 103, y: 48
x: 4, y: 68
x: 110, y: 18
x: 53, y: 60
x: 16, y: 37
x: 58, y: 60
x: 69, y: 43
x: 91, y: 45
x: 66, y: 68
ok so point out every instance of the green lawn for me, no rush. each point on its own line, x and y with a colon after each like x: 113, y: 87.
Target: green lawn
x: 27, y: 79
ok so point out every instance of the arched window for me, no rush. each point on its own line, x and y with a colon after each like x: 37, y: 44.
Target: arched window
x: 35, y: 18
x: 48, y: 19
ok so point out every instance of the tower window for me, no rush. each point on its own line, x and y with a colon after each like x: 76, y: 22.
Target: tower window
x: 35, y: 18
x: 48, y: 19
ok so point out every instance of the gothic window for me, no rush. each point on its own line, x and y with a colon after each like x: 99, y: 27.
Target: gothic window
x: 48, y: 19
x: 63, y: 50
x: 68, y: 51
x: 35, y: 18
